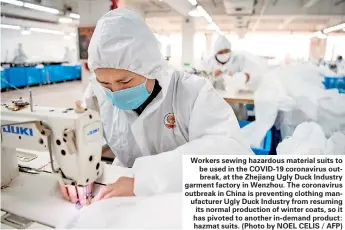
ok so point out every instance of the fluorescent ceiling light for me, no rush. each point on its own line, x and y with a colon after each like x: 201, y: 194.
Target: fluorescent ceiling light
x: 195, y: 13
x: 73, y: 15
x: 13, y: 2
x: 25, y: 32
x: 32, y: 6
x: 41, y: 8
x: 315, y: 34
x: 45, y: 31
x: 318, y: 34
x: 193, y: 2
x: 9, y: 27
x: 334, y: 28
x: 65, y: 20
x: 204, y: 13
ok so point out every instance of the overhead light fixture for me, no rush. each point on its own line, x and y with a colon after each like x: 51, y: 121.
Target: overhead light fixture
x: 194, y: 13
x: 193, y: 2
x: 315, y: 34
x: 334, y: 28
x: 318, y: 34
x: 41, y: 8
x: 5, y: 26
x: 45, y: 31
x: 13, y: 2
x: 75, y: 16
x: 25, y: 32
x: 204, y: 13
x: 65, y: 20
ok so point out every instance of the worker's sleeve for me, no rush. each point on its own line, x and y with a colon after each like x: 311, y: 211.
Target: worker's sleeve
x: 87, y: 94
x: 213, y: 130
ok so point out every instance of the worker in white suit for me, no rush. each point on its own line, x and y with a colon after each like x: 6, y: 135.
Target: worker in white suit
x: 340, y: 66
x: 245, y: 68
x: 67, y: 57
x: 19, y: 55
x: 152, y: 114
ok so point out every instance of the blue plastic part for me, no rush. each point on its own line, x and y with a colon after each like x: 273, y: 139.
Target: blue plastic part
x: 55, y: 73
x: 265, y: 144
x: 77, y: 71
x: 25, y: 76
x: 334, y: 82
x: 35, y: 75
x: 67, y: 72
x: 4, y: 79
x: 341, y: 85
x: 250, y: 107
x: 59, y: 73
x: 17, y: 77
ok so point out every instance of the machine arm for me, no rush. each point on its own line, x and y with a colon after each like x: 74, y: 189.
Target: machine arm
x: 72, y: 137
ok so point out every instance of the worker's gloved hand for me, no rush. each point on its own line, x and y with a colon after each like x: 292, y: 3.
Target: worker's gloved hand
x: 247, y: 77
x: 74, y: 193
x: 218, y: 72
x: 124, y: 186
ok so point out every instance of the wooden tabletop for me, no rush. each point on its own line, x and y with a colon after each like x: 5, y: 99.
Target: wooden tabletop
x: 242, y: 97
x: 239, y: 100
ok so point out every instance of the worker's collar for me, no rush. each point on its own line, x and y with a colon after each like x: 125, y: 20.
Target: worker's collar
x: 156, y: 90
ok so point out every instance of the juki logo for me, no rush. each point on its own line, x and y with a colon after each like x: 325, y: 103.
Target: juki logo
x: 18, y: 130
x: 92, y: 131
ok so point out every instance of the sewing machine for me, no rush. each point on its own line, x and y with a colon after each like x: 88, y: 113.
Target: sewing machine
x: 72, y: 137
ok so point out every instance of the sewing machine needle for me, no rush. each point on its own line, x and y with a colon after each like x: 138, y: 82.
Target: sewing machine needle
x: 89, y: 193
x: 86, y: 195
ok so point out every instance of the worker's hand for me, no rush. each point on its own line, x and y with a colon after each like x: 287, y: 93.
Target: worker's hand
x: 217, y: 73
x: 248, y: 77
x: 124, y: 186
x: 74, y: 193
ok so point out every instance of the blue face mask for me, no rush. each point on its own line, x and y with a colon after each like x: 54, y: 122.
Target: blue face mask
x: 128, y: 99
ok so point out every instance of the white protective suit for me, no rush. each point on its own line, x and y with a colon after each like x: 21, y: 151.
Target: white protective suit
x: 341, y: 68
x: 291, y: 95
x: 240, y: 62
x: 309, y: 139
x: 152, y: 212
x: 67, y: 57
x: 19, y: 55
x: 204, y: 122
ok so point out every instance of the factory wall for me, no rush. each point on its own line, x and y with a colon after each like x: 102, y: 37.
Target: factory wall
x: 38, y: 47
x: 335, y: 46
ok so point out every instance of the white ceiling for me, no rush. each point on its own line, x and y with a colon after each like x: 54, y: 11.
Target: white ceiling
x: 255, y: 15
